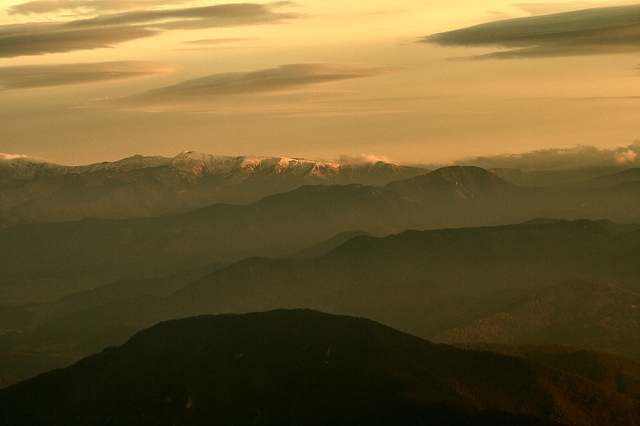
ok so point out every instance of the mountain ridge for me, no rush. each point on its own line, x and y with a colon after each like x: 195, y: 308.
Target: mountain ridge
x: 152, y: 186
x: 305, y: 367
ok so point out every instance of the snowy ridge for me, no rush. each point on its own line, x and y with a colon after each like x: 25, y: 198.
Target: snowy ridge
x: 198, y: 163
x: 190, y: 163
x: 125, y: 165
x: 19, y: 170
x: 24, y: 170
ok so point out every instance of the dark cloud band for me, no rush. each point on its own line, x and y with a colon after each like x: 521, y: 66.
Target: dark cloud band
x: 109, y: 29
x: 36, y: 7
x: 38, y: 39
x: 206, y: 90
x: 584, y: 32
x: 189, y: 18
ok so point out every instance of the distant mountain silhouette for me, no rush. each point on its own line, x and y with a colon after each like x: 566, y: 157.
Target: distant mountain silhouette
x: 588, y: 315
x: 152, y: 186
x: 556, y: 178
x: 609, y: 180
x: 456, y: 182
x: 306, y: 368
x: 156, y: 186
x: 475, y: 194
x: 326, y: 246
x: 120, y: 290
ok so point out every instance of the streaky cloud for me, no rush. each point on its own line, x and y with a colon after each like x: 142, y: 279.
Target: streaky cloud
x: 222, y: 15
x: 42, y: 38
x: 37, y: 7
x: 604, y: 30
x: 36, y: 76
x: 214, y: 87
x: 109, y: 29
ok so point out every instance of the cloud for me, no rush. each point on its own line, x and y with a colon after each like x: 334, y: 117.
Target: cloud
x: 84, y: 6
x: 108, y: 29
x: 604, y: 30
x: 31, y: 76
x: 561, y: 158
x: 6, y: 158
x: 41, y: 38
x: 362, y: 159
x: 207, y: 90
x: 223, y: 15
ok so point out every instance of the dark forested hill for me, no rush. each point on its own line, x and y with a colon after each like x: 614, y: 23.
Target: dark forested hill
x: 306, y: 368
x: 613, y: 371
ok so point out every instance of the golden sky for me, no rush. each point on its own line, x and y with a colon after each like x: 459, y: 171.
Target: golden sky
x: 414, y: 81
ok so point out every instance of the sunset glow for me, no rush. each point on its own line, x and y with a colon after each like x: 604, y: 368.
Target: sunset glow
x: 85, y: 81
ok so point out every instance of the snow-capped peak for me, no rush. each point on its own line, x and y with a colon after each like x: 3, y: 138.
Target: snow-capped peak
x: 198, y: 163
x: 126, y: 164
x: 191, y: 163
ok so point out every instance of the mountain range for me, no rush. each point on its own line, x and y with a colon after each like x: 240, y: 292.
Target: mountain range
x: 307, y: 368
x: 52, y: 259
x: 92, y: 255
x: 139, y: 186
x: 152, y: 186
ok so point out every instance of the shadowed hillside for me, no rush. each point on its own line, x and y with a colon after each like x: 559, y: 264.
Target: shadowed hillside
x: 592, y: 316
x: 616, y: 372
x: 305, y: 368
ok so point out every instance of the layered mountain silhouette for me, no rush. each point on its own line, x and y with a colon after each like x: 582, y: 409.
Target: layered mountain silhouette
x: 51, y: 259
x: 152, y: 186
x: 306, y: 368
x: 610, y: 180
x: 68, y: 289
x: 428, y: 283
x: 588, y: 177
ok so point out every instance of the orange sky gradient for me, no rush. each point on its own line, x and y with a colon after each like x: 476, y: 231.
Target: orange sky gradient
x: 417, y: 82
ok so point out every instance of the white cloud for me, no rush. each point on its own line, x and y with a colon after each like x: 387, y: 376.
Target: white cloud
x: 20, y: 157
x: 561, y: 158
x: 362, y: 159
